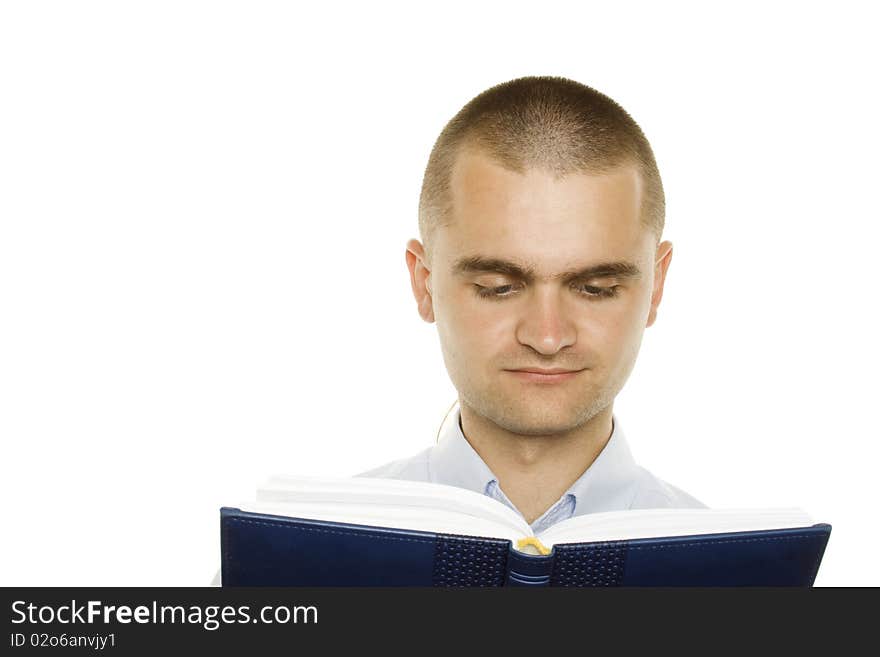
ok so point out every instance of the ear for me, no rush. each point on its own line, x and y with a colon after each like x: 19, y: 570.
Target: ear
x: 420, y: 279
x: 661, y: 264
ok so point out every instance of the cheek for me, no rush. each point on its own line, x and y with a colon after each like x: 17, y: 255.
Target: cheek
x: 617, y: 329
x: 487, y: 329
x: 476, y: 328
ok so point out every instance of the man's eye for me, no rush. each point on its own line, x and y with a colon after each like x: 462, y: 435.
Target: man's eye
x: 496, y: 292
x: 594, y: 291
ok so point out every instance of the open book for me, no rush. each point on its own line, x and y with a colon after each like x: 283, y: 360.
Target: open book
x: 315, y: 531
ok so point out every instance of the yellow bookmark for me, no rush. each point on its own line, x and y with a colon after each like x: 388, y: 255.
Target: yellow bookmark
x: 533, y: 542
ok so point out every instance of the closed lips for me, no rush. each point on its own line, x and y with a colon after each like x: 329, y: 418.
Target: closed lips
x: 553, y: 371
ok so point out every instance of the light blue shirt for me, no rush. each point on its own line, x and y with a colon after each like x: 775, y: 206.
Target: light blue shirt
x: 613, y: 482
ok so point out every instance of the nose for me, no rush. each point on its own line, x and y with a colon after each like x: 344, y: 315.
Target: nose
x: 546, y: 326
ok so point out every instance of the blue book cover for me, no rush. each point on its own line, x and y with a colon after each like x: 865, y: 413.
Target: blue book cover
x: 295, y: 537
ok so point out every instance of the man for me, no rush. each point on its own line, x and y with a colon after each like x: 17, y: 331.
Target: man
x: 541, y: 214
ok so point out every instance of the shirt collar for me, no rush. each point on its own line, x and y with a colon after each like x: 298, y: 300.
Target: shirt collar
x: 454, y: 462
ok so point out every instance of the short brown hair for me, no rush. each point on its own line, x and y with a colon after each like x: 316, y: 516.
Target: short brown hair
x: 547, y: 122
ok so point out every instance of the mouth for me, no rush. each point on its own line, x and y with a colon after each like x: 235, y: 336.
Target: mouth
x: 538, y: 375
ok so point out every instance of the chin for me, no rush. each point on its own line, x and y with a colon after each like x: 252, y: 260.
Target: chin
x: 533, y: 418
x: 536, y: 426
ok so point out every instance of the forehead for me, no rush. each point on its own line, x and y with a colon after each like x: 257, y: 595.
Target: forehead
x: 536, y: 217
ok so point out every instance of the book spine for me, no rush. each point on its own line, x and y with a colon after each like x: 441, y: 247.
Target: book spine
x: 527, y: 569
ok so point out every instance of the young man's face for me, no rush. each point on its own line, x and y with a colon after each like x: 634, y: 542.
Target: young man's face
x: 493, y: 322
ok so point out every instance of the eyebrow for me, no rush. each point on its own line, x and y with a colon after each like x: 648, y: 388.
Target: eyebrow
x: 482, y: 264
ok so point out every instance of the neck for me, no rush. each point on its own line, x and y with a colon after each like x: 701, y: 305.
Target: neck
x: 534, y: 471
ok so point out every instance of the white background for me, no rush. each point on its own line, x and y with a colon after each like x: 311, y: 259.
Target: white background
x: 203, y: 215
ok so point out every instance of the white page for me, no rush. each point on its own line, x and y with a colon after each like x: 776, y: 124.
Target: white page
x: 378, y: 515
x: 363, y: 491
x: 648, y: 523
x: 433, y: 507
